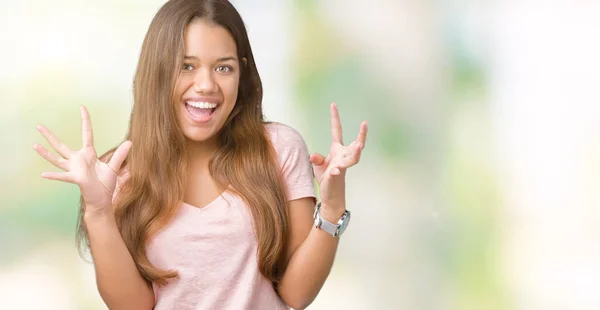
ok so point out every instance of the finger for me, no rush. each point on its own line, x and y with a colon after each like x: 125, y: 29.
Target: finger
x: 57, y: 161
x: 86, y: 128
x: 58, y: 146
x: 362, y: 135
x: 317, y: 159
x: 58, y: 176
x: 336, y: 126
x: 119, y: 156
x: 357, y: 149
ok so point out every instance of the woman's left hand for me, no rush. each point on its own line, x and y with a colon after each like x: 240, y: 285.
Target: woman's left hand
x: 330, y: 171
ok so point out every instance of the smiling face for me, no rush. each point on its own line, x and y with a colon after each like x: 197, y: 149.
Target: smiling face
x: 207, y: 88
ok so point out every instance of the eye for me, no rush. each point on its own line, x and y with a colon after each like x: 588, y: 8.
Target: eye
x: 187, y: 67
x: 224, y: 69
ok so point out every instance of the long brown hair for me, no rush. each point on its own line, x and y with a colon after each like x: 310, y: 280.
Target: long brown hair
x: 156, y: 163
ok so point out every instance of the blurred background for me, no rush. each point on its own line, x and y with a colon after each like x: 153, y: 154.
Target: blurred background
x: 478, y: 187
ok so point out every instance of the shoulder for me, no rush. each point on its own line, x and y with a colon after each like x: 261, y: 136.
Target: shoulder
x: 282, y: 135
x: 289, y: 146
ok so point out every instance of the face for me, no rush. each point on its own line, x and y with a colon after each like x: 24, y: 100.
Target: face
x: 207, y: 88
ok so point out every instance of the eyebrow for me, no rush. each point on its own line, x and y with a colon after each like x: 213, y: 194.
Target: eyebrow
x: 222, y: 59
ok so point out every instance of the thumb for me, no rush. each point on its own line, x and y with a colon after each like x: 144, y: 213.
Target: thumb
x: 119, y: 156
x: 317, y: 159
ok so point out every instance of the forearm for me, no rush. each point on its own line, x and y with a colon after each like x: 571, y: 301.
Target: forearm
x: 119, y: 282
x: 309, y: 267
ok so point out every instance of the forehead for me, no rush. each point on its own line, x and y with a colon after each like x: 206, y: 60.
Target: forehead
x: 208, y: 40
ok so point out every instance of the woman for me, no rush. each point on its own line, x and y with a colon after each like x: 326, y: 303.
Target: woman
x: 206, y: 205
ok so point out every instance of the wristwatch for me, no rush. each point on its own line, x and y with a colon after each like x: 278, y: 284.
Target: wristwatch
x: 335, y: 230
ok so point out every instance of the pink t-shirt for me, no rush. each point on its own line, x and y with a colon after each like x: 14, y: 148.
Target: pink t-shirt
x: 214, y: 248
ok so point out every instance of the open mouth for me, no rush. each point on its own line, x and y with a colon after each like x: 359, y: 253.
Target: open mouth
x: 200, y: 111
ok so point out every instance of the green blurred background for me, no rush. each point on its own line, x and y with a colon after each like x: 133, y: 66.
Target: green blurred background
x: 478, y: 185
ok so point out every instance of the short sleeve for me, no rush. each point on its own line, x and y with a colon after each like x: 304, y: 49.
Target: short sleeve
x: 294, y: 160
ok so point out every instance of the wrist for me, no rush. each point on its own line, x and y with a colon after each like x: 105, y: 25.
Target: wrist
x: 332, y: 220
x: 95, y: 214
x: 332, y: 213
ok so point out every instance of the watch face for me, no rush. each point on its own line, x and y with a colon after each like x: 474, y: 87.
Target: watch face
x: 344, y: 223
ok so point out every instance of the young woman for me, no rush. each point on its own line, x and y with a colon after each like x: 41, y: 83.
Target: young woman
x: 205, y: 205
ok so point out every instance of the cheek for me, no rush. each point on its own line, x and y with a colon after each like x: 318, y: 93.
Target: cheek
x: 179, y: 90
x: 230, y: 90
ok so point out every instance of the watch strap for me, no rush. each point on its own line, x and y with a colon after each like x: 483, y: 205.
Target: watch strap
x: 330, y: 228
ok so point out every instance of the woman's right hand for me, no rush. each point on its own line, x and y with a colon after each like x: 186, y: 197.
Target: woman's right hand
x: 96, y: 179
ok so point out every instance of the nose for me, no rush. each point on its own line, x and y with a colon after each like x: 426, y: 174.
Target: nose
x: 204, y: 82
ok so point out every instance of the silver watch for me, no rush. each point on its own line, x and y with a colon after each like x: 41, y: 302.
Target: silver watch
x: 335, y: 230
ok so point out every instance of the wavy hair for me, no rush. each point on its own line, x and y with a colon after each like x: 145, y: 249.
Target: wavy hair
x: 153, y: 191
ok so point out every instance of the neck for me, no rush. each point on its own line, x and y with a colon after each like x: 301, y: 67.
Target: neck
x: 200, y: 154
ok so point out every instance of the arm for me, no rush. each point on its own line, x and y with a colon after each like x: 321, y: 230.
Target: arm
x: 310, y: 254
x: 311, y: 251
x: 119, y: 282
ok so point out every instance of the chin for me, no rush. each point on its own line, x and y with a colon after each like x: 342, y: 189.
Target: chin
x: 200, y: 134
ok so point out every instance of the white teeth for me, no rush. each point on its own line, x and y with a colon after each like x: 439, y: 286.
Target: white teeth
x: 202, y: 105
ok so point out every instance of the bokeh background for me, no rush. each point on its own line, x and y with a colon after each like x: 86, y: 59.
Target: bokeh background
x: 478, y: 188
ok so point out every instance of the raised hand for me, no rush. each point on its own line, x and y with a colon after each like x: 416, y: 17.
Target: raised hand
x: 330, y: 171
x: 96, y: 179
